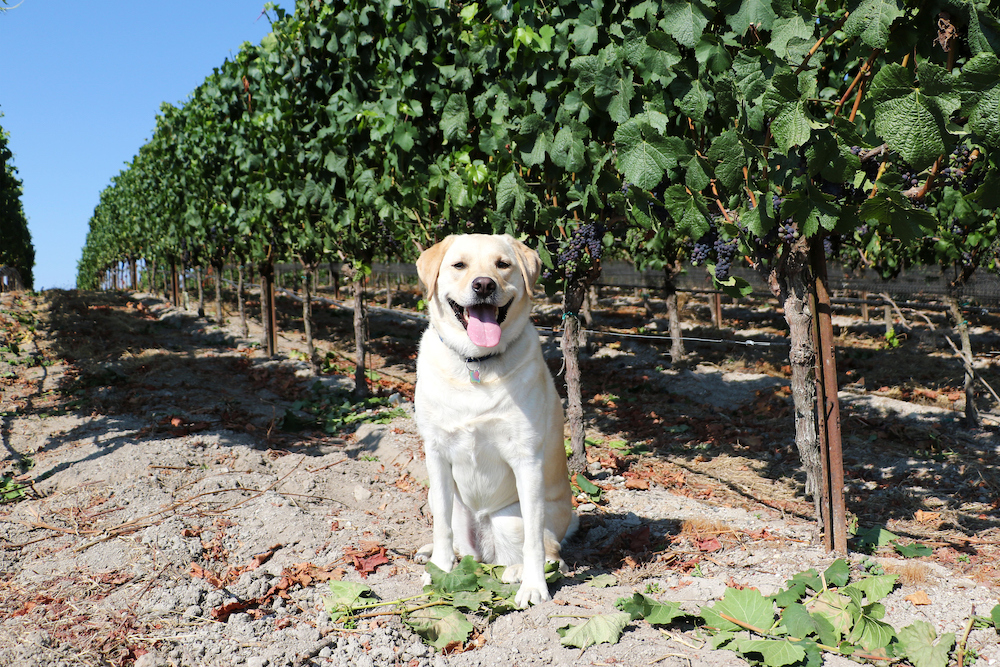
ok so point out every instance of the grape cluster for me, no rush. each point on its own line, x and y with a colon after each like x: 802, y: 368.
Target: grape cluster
x: 910, y: 178
x: 385, y: 240
x: 586, y: 245
x: 725, y: 252
x: 787, y: 231
x: 960, y: 172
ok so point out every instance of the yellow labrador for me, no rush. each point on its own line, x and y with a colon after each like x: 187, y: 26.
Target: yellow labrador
x: 489, y: 414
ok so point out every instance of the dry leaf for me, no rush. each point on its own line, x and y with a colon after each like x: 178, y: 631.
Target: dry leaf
x: 924, y: 517
x: 918, y: 599
x: 637, y: 484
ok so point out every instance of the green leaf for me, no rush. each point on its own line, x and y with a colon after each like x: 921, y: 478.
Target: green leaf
x: 603, y: 581
x: 910, y: 119
x: 440, y: 626
x: 656, y: 613
x: 756, y: 13
x: 874, y: 588
x: 871, y: 633
x: 344, y: 596
x: 688, y: 211
x: 728, y: 151
x: 600, y: 629
x: 643, y: 153
x: 684, y: 21
x: 838, y: 573
x: 463, y: 577
x: 912, y: 550
x: 776, y: 652
x: 797, y: 621
x: 980, y: 87
x: 455, y: 118
x: 472, y: 600
x: 922, y: 647
x: 838, y: 610
x: 871, y: 19
x: 746, y: 605
x: 890, y: 207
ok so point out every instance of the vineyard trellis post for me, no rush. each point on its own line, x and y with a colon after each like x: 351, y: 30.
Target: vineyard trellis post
x: 833, y: 513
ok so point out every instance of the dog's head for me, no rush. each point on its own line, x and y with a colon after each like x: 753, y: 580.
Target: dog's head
x: 478, y: 290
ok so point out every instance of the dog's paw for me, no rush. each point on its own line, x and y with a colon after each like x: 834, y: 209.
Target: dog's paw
x: 512, y: 574
x: 423, y: 555
x: 528, y: 595
x: 425, y: 580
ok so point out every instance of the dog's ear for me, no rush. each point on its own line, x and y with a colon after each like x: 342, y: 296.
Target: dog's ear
x: 429, y: 263
x: 527, y: 258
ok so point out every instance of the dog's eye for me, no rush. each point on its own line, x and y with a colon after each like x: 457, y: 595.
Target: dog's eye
x: 501, y: 264
x: 458, y: 265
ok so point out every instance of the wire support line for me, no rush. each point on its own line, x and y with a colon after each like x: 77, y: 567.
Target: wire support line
x: 748, y: 343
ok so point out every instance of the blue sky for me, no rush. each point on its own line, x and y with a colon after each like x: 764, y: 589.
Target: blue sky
x: 80, y: 87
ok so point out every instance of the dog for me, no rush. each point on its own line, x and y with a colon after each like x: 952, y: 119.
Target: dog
x: 489, y: 415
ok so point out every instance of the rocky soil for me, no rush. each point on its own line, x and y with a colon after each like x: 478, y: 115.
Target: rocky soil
x: 171, y: 500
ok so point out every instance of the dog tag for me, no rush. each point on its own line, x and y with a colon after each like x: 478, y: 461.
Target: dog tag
x: 473, y: 371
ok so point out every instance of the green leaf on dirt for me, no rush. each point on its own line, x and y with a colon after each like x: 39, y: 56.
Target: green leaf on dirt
x: 657, y: 613
x: 872, y: 538
x: 462, y: 578
x: 995, y: 615
x: 749, y: 609
x: 601, y: 629
x: 345, y: 596
x: 838, y: 573
x: 588, y: 487
x: 603, y: 581
x: 912, y: 550
x: 918, y: 643
x: 440, y: 626
x: 776, y: 652
x: 874, y: 588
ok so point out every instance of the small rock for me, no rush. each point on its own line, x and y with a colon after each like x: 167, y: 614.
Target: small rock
x: 586, y: 507
x: 148, y: 660
x: 257, y: 661
x: 193, y: 611
x: 362, y: 494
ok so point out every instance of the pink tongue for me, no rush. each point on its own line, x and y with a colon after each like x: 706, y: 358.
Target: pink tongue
x: 483, y: 328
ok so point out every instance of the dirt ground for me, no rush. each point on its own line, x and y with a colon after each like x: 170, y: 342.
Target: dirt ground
x: 173, y: 500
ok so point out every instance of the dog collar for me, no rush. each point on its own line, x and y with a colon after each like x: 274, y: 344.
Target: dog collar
x: 474, y: 370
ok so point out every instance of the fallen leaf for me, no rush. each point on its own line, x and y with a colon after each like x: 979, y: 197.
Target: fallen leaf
x: 918, y: 599
x: 201, y: 573
x: 637, y: 484
x: 709, y: 545
x: 924, y: 517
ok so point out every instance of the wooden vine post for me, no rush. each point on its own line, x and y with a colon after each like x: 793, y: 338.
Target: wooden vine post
x: 267, y: 307
x: 832, y: 508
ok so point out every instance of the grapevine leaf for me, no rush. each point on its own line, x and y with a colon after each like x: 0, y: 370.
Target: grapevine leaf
x: 756, y: 13
x: 747, y: 606
x: 875, y: 588
x: 788, y: 34
x: 838, y: 573
x: 909, y: 119
x: 871, y: 20
x: 922, y: 647
x: 643, y: 153
x: 461, y: 578
x: 687, y: 211
x: 656, y: 613
x: 511, y: 196
x: 600, y: 629
x: 795, y: 619
x: 980, y: 89
x: 872, y: 633
x: 455, y: 117
x: 912, y: 550
x: 685, y: 21
x: 890, y: 207
x: 776, y: 652
x: 440, y: 626
x: 729, y: 152
x: 836, y: 609
x: 472, y: 600
x: 603, y: 581
x: 344, y: 596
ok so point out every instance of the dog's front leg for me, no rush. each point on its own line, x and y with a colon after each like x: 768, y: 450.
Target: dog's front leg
x: 530, y: 480
x: 441, y: 497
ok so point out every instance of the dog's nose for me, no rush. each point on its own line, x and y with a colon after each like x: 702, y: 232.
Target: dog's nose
x: 484, y: 287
